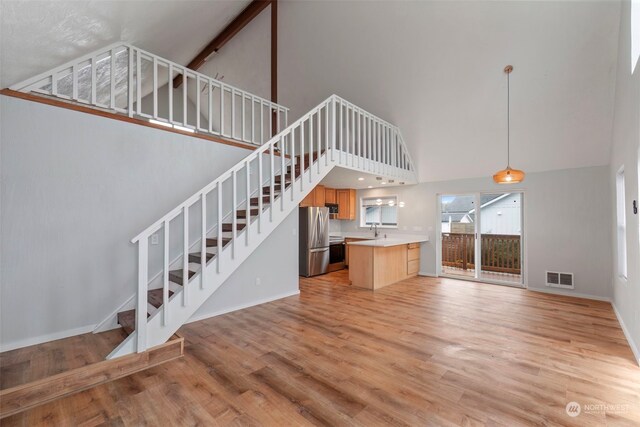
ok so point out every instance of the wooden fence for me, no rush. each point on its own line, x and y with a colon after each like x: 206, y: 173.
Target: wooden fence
x: 500, y: 252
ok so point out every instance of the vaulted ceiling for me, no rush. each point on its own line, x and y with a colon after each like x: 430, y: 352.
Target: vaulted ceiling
x: 38, y: 35
x: 433, y: 68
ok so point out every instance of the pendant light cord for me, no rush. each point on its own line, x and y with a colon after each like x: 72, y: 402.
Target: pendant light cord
x: 508, y: 123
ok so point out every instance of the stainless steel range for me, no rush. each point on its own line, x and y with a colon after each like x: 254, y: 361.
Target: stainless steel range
x: 337, y: 251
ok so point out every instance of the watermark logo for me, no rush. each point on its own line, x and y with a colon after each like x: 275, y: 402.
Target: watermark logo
x: 573, y: 409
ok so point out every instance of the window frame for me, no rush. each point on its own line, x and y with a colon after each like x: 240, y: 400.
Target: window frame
x: 621, y: 225
x: 634, y: 32
x: 362, y: 219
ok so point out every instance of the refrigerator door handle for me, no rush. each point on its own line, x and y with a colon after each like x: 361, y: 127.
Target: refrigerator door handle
x: 319, y: 250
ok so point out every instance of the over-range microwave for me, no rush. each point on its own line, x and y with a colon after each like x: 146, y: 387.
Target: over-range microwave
x: 333, y: 210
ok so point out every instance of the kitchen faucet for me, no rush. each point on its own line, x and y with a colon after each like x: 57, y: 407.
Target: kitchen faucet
x: 374, y: 227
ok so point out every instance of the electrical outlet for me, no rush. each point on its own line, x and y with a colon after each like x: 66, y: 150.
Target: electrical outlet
x: 154, y: 239
x: 258, y: 281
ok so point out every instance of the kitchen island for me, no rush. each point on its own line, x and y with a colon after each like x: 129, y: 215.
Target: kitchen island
x: 374, y: 264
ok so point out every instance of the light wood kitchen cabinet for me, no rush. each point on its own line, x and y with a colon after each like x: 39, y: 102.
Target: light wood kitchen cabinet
x: 315, y: 198
x: 346, y: 203
x: 318, y: 196
x: 413, y: 259
x: 374, y: 266
x: 330, y: 196
x: 307, y: 201
x: 346, y: 248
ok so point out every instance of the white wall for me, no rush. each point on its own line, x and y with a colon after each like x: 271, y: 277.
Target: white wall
x: 274, y: 263
x: 435, y: 69
x: 245, y: 61
x: 75, y: 189
x: 625, y: 151
x: 567, y: 223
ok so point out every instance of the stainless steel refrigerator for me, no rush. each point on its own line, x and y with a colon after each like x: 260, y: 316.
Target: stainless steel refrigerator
x: 314, y: 241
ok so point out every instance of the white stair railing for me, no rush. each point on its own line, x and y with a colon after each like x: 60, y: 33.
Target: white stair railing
x: 335, y: 133
x: 128, y: 80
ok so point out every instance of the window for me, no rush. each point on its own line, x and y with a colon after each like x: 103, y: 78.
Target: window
x: 381, y: 211
x: 635, y: 33
x: 621, y: 221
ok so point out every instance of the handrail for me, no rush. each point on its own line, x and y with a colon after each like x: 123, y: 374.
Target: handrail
x: 268, y: 146
x: 114, y: 77
x: 264, y: 149
x: 335, y: 133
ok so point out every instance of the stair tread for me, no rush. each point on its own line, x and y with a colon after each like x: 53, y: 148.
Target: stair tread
x: 197, y: 258
x: 127, y: 319
x: 276, y: 187
x: 242, y: 213
x: 176, y: 276
x: 227, y: 227
x: 155, y: 297
x: 213, y: 241
x: 254, y: 200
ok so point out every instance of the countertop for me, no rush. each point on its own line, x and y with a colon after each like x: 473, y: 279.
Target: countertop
x: 381, y: 242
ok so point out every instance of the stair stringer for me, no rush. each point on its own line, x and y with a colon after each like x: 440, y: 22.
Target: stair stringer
x: 231, y: 258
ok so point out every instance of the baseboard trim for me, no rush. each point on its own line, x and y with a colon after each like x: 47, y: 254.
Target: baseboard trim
x: 634, y: 348
x: 425, y: 274
x: 570, y: 294
x: 243, y: 306
x: 94, y: 328
x: 46, y: 338
x: 111, y: 321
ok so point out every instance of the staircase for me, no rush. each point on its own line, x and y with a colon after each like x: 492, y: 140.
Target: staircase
x: 205, y: 239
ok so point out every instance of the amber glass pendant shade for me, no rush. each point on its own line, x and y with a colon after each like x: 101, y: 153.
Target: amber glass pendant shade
x: 509, y: 176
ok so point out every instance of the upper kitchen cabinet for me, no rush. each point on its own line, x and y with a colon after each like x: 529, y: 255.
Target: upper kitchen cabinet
x: 344, y: 198
x: 330, y: 197
x: 319, y: 196
x: 315, y: 198
x: 307, y: 201
x: 346, y: 204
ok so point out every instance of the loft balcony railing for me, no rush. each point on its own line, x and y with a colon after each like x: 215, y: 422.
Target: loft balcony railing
x: 128, y: 80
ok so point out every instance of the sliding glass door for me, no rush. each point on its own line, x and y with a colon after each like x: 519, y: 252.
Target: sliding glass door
x: 458, y: 222
x: 501, y: 237
x: 482, y: 244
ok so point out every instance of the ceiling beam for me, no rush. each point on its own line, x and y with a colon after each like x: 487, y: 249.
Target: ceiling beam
x: 274, y: 63
x: 234, y: 27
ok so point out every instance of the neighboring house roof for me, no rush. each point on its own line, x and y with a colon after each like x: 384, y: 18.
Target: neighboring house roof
x: 458, y: 207
x: 490, y: 201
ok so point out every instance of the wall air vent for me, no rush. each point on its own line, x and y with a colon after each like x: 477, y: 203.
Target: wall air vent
x: 560, y: 280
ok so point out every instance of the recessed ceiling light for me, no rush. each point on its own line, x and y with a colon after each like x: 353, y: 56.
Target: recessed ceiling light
x: 361, y: 179
x: 370, y: 186
x: 383, y: 183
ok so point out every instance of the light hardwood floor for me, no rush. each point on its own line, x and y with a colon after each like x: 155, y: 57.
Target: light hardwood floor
x: 421, y: 352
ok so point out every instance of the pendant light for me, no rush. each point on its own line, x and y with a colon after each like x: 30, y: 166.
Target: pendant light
x: 508, y: 175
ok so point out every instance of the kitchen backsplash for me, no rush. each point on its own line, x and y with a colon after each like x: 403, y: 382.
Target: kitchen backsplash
x: 335, y: 226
